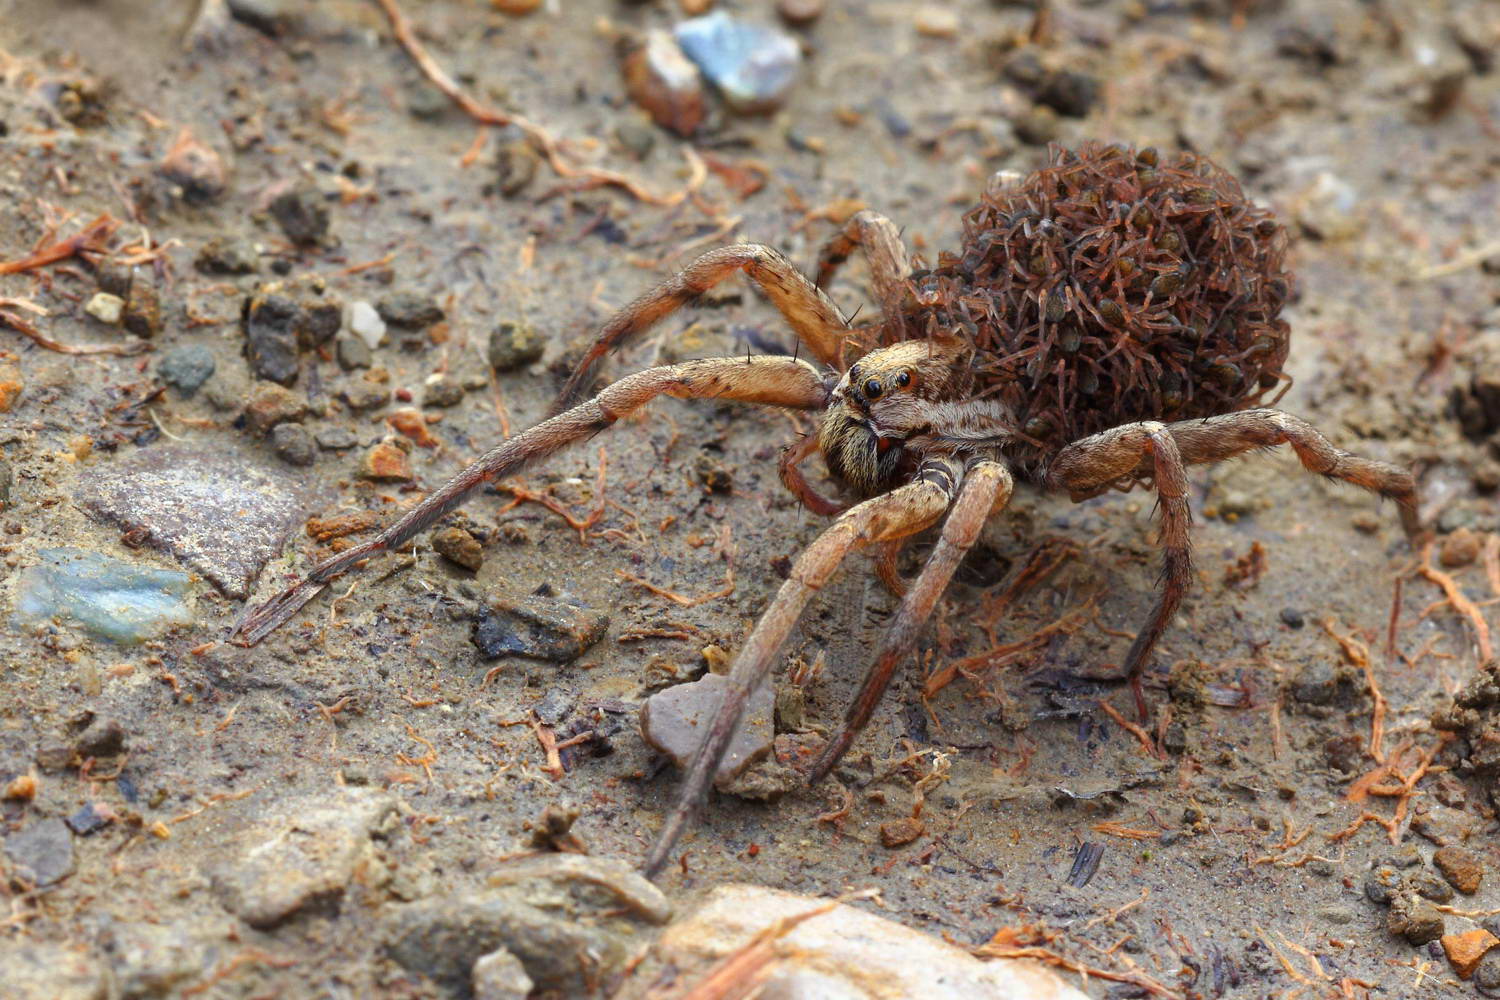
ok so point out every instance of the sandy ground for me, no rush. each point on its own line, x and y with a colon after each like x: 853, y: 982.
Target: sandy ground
x: 1228, y: 865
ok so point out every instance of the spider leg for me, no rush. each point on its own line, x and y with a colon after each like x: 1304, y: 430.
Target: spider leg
x: 903, y: 511
x: 796, y: 483
x: 1217, y: 438
x: 776, y: 381
x: 881, y: 242
x: 986, y: 489
x: 1090, y: 465
x: 812, y: 316
x: 888, y: 567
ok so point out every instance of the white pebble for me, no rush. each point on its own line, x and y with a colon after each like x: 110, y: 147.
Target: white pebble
x: 106, y: 308
x: 366, y: 323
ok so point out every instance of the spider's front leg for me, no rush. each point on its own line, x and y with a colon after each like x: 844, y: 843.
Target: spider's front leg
x: 901, y: 512
x: 986, y: 489
x: 1086, y: 467
x: 775, y: 381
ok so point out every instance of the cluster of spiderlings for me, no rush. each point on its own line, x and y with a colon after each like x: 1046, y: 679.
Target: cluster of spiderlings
x: 1115, y: 285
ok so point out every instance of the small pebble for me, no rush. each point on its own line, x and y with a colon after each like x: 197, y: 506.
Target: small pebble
x: 800, y: 12
x: 186, y: 367
x: 116, y: 600
x: 1292, y: 618
x: 385, y: 463
x: 142, y: 313
x: 636, y: 137
x: 458, y: 547
x: 501, y: 976
x: 352, y: 353
x: 302, y: 215
x: 663, y: 81
x: 1487, y: 974
x: 1465, y: 950
x: 753, y: 67
x: 1036, y: 126
x: 514, y: 344
x: 1429, y: 886
x: 715, y: 476
x: 673, y: 721
x: 228, y: 255
x: 294, y: 444
x: 270, y: 405
x: 11, y: 386
x: 933, y: 21
x: 409, y: 423
x: 1463, y: 868
x: 444, y: 391
x: 364, y: 395
x: 1381, y: 884
x: 90, y: 819
x: 1460, y: 548
x: 515, y: 166
x: 1070, y: 92
x: 195, y: 168
x: 408, y: 311
x: 336, y: 439
x: 898, y: 832
x: 1316, y: 683
x: 106, y: 308
x: 541, y: 628
x: 1336, y: 915
x: 365, y: 323
x: 1414, y: 919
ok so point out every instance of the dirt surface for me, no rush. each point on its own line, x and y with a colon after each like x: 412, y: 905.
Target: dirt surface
x: 1230, y: 866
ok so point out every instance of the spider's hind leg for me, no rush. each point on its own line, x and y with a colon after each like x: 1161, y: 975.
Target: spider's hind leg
x: 1086, y: 467
x: 881, y: 242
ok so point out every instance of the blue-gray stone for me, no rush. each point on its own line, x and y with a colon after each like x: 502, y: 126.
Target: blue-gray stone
x: 107, y: 597
x: 214, y: 508
x: 186, y: 367
x: 42, y: 853
x: 752, y: 66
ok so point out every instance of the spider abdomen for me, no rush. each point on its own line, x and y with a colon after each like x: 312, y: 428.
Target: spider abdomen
x: 1113, y: 285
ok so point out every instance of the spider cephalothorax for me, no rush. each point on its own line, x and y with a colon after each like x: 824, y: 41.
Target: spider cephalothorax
x: 1109, y: 320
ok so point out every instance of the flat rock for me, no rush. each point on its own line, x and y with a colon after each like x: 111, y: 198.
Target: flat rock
x: 299, y: 855
x: 42, y: 853
x: 39, y: 970
x: 570, y: 920
x: 844, y: 954
x: 674, y: 722
x: 215, y: 510
x: 541, y: 628
x: 1463, y: 868
x: 116, y: 600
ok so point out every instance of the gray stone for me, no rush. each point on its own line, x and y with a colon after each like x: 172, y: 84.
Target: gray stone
x: 513, y: 344
x: 116, y: 600
x: 302, y: 215
x: 753, y: 67
x: 148, y: 960
x: 539, y: 628
x: 294, y: 443
x: 674, y: 722
x: 104, y: 737
x: 352, y: 353
x: 228, y: 255
x: 1487, y: 974
x: 570, y: 920
x: 409, y: 311
x: 186, y: 367
x: 336, y: 438
x: 501, y: 976
x: 214, y: 508
x: 42, y: 852
x: 284, y: 317
x: 444, y: 391
x: 845, y: 953
x: 42, y: 970
x: 362, y: 395
x: 1414, y: 919
x: 300, y: 855
x: 1316, y: 683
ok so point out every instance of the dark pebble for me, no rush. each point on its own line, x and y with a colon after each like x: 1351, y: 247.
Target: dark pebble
x: 443, y: 392
x: 513, y: 344
x: 294, y: 444
x: 302, y: 215
x: 142, y: 315
x: 537, y: 627
x: 270, y: 405
x: 270, y: 338
x: 1414, y: 919
x: 554, y: 706
x: 186, y: 368
x: 1487, y: 974
x: 115, y: 279
x: 352, y: 353
x: 88, y: 820
x: 104, y: 737
x: 1069, y: 92
x: 1429, y: 886
x: 1344, y: 753
x: 1292, y: 618
x: 336, y: 439
x: 1316, y: 683
x: 364, y: 395
x: 408, y: 310
x: 515, y: 166
x: 715, y: 476
x: 800, y: 12
x: 228, y: 255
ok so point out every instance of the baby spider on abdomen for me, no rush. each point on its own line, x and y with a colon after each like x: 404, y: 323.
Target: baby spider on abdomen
x: 1108, y: 321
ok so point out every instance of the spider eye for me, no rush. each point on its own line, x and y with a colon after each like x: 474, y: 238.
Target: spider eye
x: 872, y: 388
x: 904, y: 379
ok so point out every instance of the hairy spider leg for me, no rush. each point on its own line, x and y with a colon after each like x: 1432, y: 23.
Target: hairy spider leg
x: 903, y: 511
x: 889, y: 262
x: 1092, y: 464
x: 810, y: 313
x: 774, y: 381
x: 796, y: 483
x: 986, y: 489
x: 1214, y: 439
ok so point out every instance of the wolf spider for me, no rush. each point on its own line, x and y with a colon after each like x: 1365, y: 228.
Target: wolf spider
x: 913, y: 425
